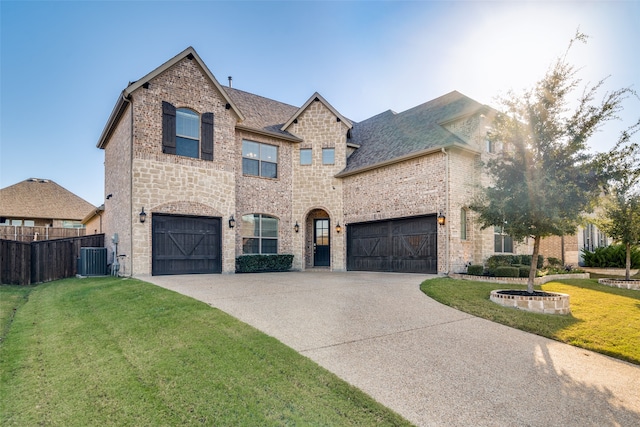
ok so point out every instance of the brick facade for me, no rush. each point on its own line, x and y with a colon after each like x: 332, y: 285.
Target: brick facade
x: 139, y: 174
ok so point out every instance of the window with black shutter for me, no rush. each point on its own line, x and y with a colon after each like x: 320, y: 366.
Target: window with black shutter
x: 186, y: 133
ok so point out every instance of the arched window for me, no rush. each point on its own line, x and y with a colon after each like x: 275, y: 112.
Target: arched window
x: 259, y: 234
x: 187, y: 133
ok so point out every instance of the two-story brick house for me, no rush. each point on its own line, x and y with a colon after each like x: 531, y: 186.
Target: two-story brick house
x: 219, y: 172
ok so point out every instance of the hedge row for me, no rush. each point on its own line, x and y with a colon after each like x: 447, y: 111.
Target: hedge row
x: 510, y: 260
x: 263, y: 263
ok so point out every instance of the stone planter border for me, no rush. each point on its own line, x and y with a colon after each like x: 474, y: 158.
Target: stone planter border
x: 620, y: 283
x: 520, y: 280
x: 555, y: 304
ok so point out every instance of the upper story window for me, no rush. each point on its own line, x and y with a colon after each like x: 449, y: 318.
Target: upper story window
x: 259, y: 159
x: 502, y: 242
x: 259, y: 234
x: 306, y: 156
x: 328, y: 156
x: 185, y: 133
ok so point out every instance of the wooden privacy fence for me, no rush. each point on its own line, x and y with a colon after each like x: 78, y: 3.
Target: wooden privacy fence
x: 31, y: 234
x: 42, y: 261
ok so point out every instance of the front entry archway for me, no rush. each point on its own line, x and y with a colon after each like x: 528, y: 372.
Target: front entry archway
x: 318, y: 239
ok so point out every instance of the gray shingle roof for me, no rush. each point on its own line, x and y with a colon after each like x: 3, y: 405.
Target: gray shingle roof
x: 44, y: 199
x: 391, y: 135
x: 262, y: 113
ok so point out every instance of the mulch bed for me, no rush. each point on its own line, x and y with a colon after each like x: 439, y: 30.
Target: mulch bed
x: 527, y: 294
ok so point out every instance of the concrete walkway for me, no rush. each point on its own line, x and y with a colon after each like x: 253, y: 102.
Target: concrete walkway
x: 434, y: 365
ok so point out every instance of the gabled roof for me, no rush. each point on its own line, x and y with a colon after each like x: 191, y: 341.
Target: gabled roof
x: 44, y: 199
x: 391, y: 137
x: 263, y: 115
x: 121, y: 104
x: 317, y: 97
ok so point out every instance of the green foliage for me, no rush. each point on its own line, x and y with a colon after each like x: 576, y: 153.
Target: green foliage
x: 495, y: 261
x: 613, y: 256
x: 603, y: 319
x: 121, y: 352
x: 524, y: 271
x: 263, y: 263
x: 475, y: 270
x: 620, y: 218
x: 505, y: 271
x: 545, y: 178
x: 554, y: 262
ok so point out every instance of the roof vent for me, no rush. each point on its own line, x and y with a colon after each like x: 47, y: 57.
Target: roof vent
x: 230, y: 81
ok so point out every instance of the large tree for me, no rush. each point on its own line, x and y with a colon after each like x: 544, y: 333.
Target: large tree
x: 620, y: 216
x: 544, y: 178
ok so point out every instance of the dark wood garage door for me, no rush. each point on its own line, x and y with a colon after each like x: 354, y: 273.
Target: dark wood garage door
x: 400, y: 245
x: 185, y: 244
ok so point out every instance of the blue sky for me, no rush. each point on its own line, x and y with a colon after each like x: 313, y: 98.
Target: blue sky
x: 63, y: 64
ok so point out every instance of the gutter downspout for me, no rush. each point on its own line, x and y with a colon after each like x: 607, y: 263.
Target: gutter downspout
x: 447, y: 210
x: 127, y: 99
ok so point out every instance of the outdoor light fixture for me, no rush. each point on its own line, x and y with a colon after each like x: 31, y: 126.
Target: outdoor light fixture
x: 441, y: 219
x: 338, y: 228
x: 232, y: 222
x: 143, y: 216
x: 296, y: 227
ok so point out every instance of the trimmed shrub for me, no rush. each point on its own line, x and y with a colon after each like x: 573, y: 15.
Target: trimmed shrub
x: 524, y: 271
x: 554, y: 262
x: 611, y: 256
x: 507, y: 271
x: 263, y: 263
x: 496, y: 261
x: 526, y: 260
x: 475, y: 270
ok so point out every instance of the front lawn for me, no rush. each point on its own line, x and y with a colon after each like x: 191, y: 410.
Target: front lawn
x: 603, y: 319
x: 121, y: 352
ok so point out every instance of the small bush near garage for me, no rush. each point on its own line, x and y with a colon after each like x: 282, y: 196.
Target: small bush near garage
x: 507, y: 271
x: 475, y: 270
x: 263, y: 263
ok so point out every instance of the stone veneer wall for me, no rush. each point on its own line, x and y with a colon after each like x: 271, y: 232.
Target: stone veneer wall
x: 176, y: 184
x: 117, y: 182
x: 315, y: 185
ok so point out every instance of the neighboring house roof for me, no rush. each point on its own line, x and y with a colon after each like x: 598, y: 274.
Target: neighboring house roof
x: 94, y: 213
x: 262, y: 114
x: 122, y: 102
x: 44, y: 199
x: 317, y: 97
x: 390, y: 136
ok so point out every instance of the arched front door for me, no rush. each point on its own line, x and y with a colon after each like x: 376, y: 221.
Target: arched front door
x: 318, y: 239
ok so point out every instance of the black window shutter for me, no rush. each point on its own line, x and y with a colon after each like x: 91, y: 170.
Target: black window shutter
x: 168, y: 128
x: 206, y: 146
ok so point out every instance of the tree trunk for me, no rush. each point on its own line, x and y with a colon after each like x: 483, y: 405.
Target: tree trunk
x: 534, y: 263
x: 627, y: 274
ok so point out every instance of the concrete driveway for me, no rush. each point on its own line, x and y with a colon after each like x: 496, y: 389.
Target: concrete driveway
x: 434, y: 365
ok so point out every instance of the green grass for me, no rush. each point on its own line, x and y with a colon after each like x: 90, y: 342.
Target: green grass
x: 121, y: 352
x: 603, y: 318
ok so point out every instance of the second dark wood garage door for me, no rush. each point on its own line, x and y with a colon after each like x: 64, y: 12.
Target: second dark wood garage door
x: 400, y: 245
x: 185, y: 244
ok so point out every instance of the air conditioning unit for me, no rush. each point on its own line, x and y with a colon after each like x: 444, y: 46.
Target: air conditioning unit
x: 92, y: 262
